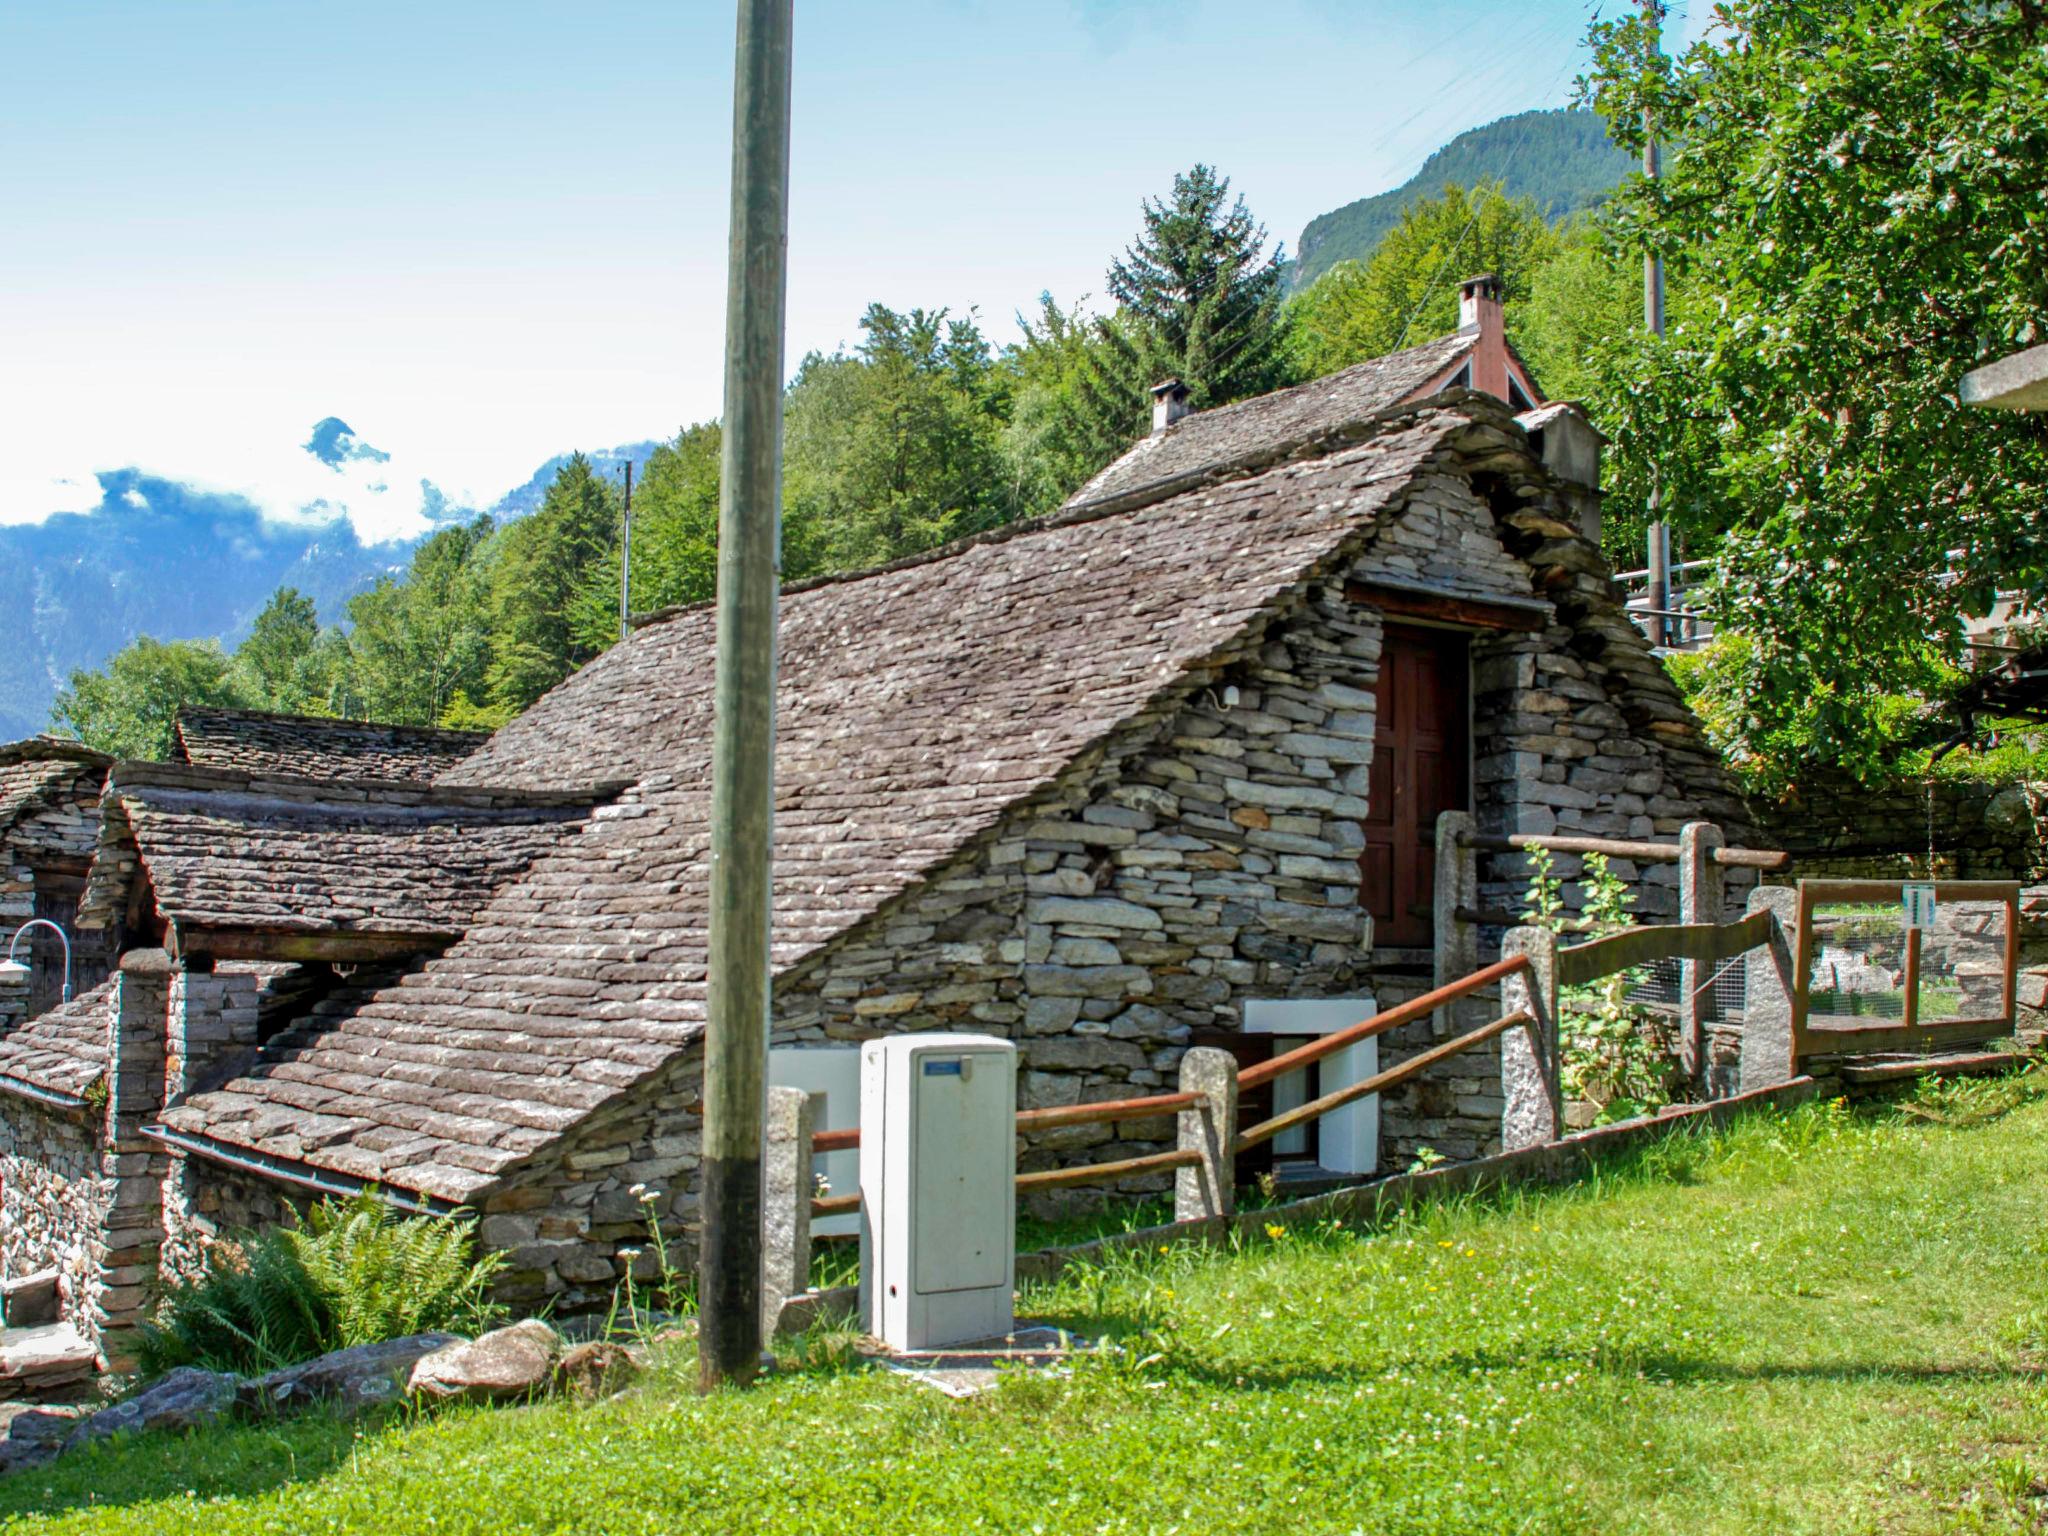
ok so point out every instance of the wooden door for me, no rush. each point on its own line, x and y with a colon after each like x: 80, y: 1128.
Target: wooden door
x: 1420, y: 768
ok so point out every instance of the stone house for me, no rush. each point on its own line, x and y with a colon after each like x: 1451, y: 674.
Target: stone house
x: 1115, y: 781
x: 49, y: 817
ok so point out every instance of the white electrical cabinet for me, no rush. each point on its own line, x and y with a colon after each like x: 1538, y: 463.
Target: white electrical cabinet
x: 938, y: 1188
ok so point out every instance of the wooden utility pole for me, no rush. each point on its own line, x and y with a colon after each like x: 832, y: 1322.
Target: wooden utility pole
x: 743, y: 728
x: 626, y: 555
x: 1659, y: 562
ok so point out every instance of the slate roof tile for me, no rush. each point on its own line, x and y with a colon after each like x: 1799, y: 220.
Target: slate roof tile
x: 308, y: 747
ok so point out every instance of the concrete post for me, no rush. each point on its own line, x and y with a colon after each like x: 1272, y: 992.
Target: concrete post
x: 1207, y: 1188
x: 1702, y: 890
x: 787, y: 1187
x: 1768, y: 1055
x: 1457, y: 885
x: 1533, y: 1109
x: 128, y: 1270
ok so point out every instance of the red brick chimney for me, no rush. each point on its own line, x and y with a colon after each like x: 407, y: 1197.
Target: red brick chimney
x: 1479, y: 313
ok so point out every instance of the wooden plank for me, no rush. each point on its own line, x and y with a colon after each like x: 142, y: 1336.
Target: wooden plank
x: 1832, y: 891
x: 836, y: 1141
x: 1802, y: 972
x: 1623, y: 848
x: 1445, y: 607
x: 1912, y: 981
x: 1106, y: 1111
x: 1853, y: 1037
x: 1090, y: 1173
x: 1703, y: 942
x: 1379, y: 1082
x: 2012, y: 958
x: 186, y: 942
x: 1380, y: 1023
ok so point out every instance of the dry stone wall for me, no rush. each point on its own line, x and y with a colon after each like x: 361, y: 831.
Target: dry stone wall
x: 56, y: 1188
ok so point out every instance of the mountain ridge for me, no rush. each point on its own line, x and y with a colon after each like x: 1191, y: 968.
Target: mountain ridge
x: 1560, y: 157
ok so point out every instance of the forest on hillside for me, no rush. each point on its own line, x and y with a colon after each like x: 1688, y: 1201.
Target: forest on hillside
x: 1804, y: 394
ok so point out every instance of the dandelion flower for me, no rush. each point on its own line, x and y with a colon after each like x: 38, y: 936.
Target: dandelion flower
x: 1274, y: 1229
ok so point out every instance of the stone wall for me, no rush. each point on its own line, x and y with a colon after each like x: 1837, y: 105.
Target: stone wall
x: 60, y: 836
x: 56, y: 1189
x: 204, y: 1201
x: 1204, y: 857
x: 1980, y: 831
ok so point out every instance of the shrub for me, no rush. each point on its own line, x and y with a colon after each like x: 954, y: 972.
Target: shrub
x: 351, y: 1272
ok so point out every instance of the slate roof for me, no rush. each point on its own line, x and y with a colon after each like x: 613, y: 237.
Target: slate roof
x: 917, y: 704
x: 1247, y: 434
x: 232, y: 852
x: 308, y: 747
x: 32, y: 771
x: 63, y: 1051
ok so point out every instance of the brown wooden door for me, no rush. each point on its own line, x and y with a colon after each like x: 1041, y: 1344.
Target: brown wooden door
x: 1420, y: 768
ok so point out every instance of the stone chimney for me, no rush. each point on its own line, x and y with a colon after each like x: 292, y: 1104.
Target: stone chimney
x: 1169, y: 403
x: 1479, y: 304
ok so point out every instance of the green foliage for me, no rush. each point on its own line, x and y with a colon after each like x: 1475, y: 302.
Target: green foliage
x: 127, y: 708
x: 1406, y: 291
x: 1610, y: 1057
x: 897, y: 447
x: 1201, y: 293
x: 1561, y: 160
x: 418, y: 644
x: 1856, y: 205
x: 351, y: 1273
x: 282, y: 662
x: 538, y: 568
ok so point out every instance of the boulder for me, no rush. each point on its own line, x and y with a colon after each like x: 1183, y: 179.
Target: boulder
x: 42, y: 1362
x: 29, y: 1302
x: 594, y: 1370
x: 44, y: 1424
x: 351, y: 1380
x: 181, y: 1399
x: 504, y: 1363
x: 20, y: 1455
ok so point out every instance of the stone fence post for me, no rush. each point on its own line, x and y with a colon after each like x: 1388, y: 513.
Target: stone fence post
x: 1702, y: 895
x: 128, y: 1271
x: 1457, y: 885
x: 1533, y: 1109
x: 787, y: 1188
x: 1207, y: 1188
x: 1768, y: 1054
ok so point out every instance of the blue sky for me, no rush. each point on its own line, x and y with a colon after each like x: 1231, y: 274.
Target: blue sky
x: 483, y: 233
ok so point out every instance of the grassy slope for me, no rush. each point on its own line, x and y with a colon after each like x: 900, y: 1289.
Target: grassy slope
x: 1820, y: 1322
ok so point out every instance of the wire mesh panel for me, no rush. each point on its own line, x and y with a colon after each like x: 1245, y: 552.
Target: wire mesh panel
x: 1871, y: 979
x: 1856, y: 962
x: 1660, y: 984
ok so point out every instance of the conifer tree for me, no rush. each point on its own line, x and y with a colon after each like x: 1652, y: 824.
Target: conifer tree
x: 1199, y: 300
x: 541, y: 563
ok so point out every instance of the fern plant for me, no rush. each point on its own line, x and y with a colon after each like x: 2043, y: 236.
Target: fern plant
x: 350, y: 1272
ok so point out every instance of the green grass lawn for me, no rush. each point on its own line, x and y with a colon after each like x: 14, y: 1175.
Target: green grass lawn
x: 1824, y: 1321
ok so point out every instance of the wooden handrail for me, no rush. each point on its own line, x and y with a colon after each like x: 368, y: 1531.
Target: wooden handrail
x: 1315, y: 1109
x: 1107, y: 1111
x: 1380, y: 1023
x: 1621, y: 848
x: 1099, y: 1112
x: 835, y: 1205
x: 1088, y: 1173
x: 1624, y: 951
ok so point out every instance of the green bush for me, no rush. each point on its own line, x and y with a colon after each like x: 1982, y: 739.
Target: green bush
x: 351, y: 1272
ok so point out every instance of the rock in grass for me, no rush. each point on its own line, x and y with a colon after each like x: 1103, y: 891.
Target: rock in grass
x: 349, y: 1380
x: 504, y: 1363
x: 20, y: 1455
x: 181, y: 1399
x: 594, y: 1370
